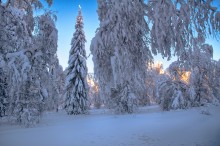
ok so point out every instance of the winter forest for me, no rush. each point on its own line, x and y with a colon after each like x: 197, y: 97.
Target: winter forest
x: 129, y: 99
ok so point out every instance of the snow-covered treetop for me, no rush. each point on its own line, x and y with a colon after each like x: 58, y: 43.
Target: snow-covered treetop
x: 23, y: 4
x: 102, y: 9
x: 78, y: 40
x: 79, y: 20
x: 46, y: 36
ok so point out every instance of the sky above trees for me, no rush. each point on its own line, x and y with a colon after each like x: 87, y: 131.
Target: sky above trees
x: 66, y: 12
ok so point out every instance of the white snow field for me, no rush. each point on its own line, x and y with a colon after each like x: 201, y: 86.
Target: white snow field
x: 149, y: 127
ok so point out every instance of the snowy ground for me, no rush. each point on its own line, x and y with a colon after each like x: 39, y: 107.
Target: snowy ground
x: 150, y: 127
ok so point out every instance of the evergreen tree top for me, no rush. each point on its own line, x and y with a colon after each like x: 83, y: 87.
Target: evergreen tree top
x: 78, y: 40
x: 79, y: 19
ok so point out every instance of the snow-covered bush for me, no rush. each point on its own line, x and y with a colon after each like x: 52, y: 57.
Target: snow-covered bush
x: 28, y: 105
x: 29, y: 118
x: 205, y: 112
x: 171, y: 94
x: 123, y: 100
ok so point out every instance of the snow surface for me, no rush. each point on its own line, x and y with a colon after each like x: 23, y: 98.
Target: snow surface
x: 150, y: 127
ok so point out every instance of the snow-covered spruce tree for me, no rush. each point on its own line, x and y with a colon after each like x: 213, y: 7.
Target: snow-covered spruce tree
x: 120, y: 44
x: 29, y: 105
x: 76, y: 83
x: 171, y: 93
x: 172, y: 88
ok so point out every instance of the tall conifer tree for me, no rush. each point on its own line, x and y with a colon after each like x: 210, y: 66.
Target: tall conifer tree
x: 76, y: 84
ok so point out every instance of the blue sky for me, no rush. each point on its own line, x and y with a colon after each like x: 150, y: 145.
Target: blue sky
x: 66, y: 13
